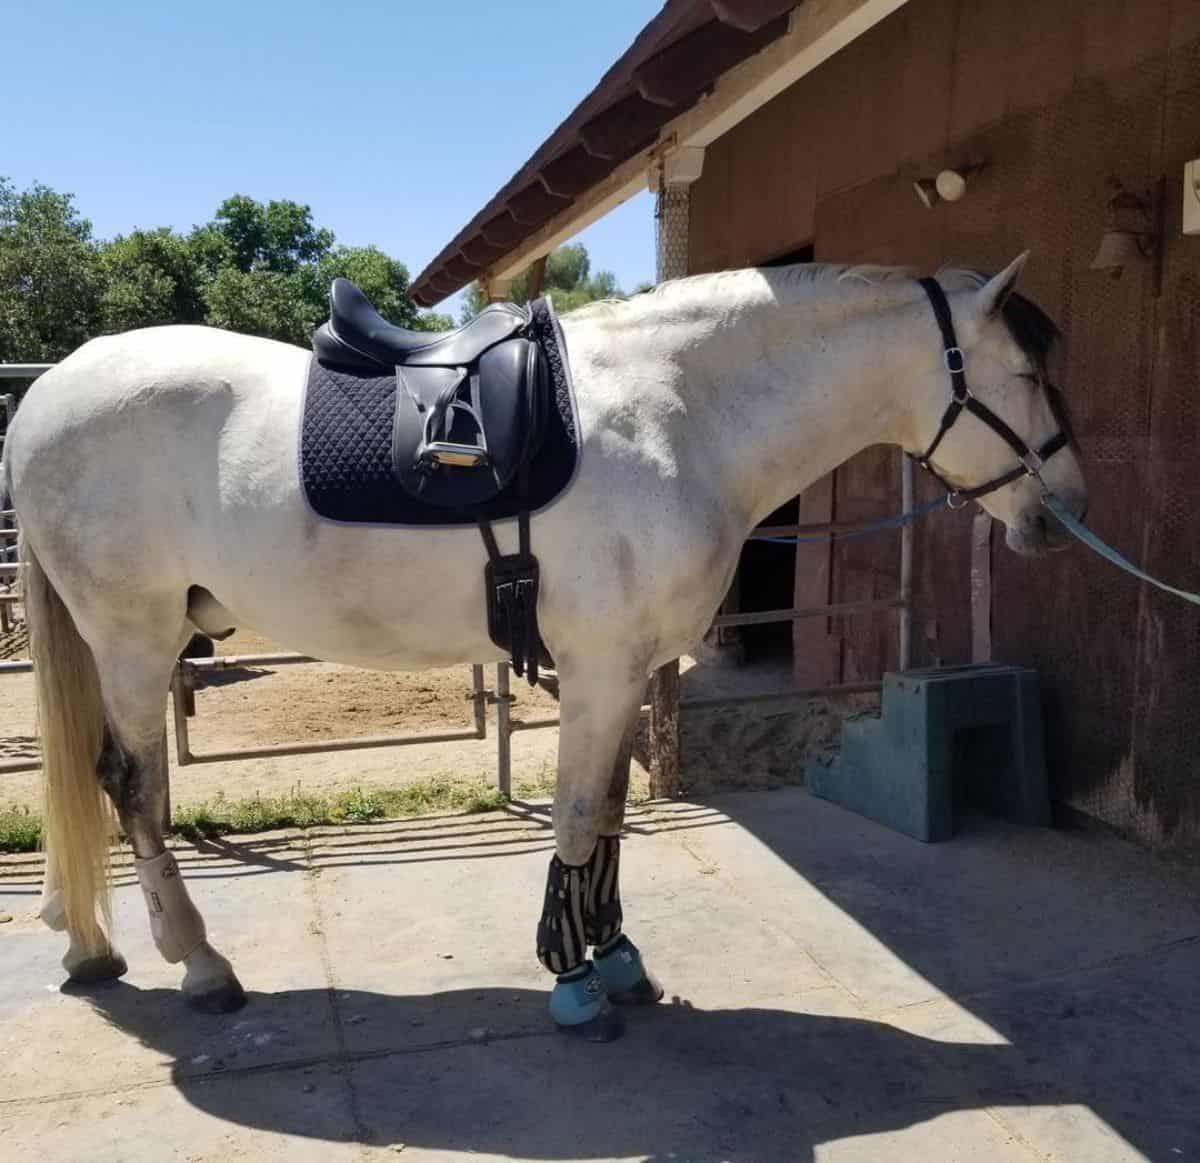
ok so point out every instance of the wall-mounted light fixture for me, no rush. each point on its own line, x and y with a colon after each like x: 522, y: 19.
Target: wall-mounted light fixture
x: 948, y: 186
x: 1130, y: 237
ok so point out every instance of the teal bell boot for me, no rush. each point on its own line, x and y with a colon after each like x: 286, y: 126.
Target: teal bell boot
x: 579, y: 1006
x: 625, y: 978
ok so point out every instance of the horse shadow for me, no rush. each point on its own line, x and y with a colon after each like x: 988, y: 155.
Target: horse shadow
x: 684, y: 1082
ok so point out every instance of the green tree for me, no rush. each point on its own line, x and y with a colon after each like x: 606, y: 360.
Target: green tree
x: 149, y: 277
x: 49, y: 276
x: 276, y: 236
x: 287, y: 307
x: 258, y: 267
x: 568, y: 280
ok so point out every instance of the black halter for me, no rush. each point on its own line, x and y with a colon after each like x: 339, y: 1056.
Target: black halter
x: 1030, y: 460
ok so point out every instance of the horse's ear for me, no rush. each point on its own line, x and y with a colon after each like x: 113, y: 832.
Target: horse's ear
x: 992, y: 294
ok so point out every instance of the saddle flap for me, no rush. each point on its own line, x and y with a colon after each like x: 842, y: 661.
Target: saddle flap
x: 508, y: 403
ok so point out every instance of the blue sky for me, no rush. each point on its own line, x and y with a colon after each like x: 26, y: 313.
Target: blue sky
x: 395, y: 122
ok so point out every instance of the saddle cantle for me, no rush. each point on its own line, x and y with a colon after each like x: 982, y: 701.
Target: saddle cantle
x: 356, y: 335
x: 419, y: 428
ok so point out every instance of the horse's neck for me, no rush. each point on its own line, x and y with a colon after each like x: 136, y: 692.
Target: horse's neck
x: 788, y: 382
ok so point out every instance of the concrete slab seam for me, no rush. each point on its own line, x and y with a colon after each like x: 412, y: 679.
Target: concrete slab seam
x: 311, y: 872
x: 732, y: 884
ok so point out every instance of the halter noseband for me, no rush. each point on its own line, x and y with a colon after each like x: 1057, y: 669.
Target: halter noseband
x: 1030, y: 460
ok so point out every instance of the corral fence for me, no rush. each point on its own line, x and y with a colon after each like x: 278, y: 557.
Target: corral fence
x: 187, y: 670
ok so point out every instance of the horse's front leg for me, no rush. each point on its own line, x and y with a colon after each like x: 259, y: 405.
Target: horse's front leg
x: 617, y: 958
x: 600, y: 701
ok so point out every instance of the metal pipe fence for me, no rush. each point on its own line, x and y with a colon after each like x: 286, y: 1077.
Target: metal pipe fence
x: 23, y: 371
x: 183, y: 686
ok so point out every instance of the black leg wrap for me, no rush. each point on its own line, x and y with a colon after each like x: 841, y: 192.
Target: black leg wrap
x: 561, y: 938
x: 602, y: 914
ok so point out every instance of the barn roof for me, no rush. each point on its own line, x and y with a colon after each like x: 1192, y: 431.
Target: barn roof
x: 675, y: 69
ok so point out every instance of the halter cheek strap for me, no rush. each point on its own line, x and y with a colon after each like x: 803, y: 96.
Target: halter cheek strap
x: 1029, y: 460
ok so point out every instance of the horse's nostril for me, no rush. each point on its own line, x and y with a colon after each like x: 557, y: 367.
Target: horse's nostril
x: 1083, y: 513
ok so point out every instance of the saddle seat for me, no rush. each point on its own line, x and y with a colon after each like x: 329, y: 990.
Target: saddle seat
x: 357, y: 335
x: 471, y: 403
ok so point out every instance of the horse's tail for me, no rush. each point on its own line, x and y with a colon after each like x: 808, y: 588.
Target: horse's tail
x: 77, y: 823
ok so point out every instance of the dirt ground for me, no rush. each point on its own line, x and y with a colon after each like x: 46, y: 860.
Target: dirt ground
x: 754, y: 746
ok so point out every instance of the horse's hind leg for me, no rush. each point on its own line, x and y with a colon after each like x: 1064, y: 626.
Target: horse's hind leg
x: 132, y: 769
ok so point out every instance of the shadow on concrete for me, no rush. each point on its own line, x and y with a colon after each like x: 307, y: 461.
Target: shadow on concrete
x: 684, y: 1083
x: 1077, y: 948
x: 520, y: 828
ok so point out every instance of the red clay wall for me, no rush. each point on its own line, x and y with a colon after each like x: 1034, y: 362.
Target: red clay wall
x: 1057, y: 98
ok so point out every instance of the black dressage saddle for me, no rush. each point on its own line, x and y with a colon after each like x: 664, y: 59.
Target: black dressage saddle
x: 469, y: 411
x: 471, y: 404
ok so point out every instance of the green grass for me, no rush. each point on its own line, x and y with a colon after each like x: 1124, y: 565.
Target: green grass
x: 20, y: 828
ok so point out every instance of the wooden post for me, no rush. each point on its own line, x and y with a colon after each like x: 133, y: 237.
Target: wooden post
x: 665, y: 768
x: 672, y: 181
x: 537, y: 277
x: 816, y: 642
x: 981, y: 588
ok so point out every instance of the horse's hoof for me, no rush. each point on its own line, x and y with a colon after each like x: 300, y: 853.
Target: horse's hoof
x: 580, y: 1008
x: 625, y: 978
x: 209, y: 983
x: 224, y: 999
x: 606, y: 1026
x: 645, y: 992
x: 94, y: 970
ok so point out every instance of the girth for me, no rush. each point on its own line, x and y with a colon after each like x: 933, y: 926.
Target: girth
x: 1030, y: 461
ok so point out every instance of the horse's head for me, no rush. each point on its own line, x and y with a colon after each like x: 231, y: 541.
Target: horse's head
x: 1010, y: 440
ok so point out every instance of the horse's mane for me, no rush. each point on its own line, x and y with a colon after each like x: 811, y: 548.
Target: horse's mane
x: 1030, y: 327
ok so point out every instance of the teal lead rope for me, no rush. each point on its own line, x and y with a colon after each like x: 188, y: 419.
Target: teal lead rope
x: 1084, y: 534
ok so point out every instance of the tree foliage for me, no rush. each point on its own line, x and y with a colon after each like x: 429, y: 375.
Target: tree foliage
x: 49, y: 275
x: 568, y: 280
x: 262, y: 268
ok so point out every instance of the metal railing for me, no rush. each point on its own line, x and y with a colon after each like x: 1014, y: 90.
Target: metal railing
x: 183, y: 688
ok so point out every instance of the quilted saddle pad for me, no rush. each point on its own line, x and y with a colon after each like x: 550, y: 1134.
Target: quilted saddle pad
x: 345, y: 459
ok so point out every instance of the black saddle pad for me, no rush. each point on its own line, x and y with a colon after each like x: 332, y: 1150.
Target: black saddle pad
x: 346, y: 445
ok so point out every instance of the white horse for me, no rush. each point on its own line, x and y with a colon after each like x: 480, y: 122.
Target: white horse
x: 703, y: 406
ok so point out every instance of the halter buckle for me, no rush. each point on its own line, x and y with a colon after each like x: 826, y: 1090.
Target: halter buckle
x: 1032, y: 463
x: 963, y: 502
x: 955, y: 360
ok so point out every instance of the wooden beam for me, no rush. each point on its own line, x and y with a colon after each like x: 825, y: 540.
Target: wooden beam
x: 816, y: 30
x: 624, y: 127
x: 534, y: 204
x: 503, y: 230
x: 682, y: 70
x: 573, y: 172
x: 749, y: 15
x: 665, y: 773
x: 537, y: 277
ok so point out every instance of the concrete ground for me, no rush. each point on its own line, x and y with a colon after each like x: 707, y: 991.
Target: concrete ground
x: 834, y: 992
